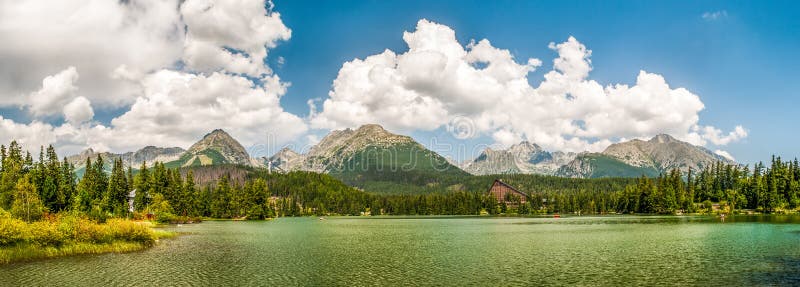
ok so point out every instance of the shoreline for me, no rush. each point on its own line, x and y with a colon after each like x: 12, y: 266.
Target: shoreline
x: 28, y: 252
x: 71, y: 236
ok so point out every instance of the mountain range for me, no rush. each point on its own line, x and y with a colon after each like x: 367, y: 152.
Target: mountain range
x: 372, y: 156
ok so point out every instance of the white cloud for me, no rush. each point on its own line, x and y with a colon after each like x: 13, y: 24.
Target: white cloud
x: 42, y: 37
x: 230, y: 35
x: 56, y: 91
x: 30, y: 135
x: 126, y: 53
x: 724, y: 154
x: 437, y: 80
x: 180, y: 107
x: 78, y: 111
x: 715, y: 15
x: 716, y: 136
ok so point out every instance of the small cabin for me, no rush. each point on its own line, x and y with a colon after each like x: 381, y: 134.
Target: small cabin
x: 507, y: 194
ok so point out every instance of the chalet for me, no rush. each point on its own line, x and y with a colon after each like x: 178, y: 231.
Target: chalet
x: 507, y: 194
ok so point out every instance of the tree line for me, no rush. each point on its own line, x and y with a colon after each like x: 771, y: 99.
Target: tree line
x: 30, y: 189
x: 764, y: 189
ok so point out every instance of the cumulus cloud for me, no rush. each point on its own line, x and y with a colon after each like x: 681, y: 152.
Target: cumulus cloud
x: 182, y: 68
x: 78, y: 111
x: 42, y: 37
x: 178, y: 107
x: 438, y: 80
x: 716, y: 136
x: 56, y: 91
x: 29, y: 135
x: 231, y: 35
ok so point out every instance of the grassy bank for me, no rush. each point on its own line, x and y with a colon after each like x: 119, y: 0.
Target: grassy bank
x: 66, y: 235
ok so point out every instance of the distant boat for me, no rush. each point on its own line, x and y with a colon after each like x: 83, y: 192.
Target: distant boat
x: 556, y: 215
x: 322, y: 218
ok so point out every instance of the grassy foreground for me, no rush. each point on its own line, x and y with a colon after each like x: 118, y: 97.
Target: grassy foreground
x: 66, y: 235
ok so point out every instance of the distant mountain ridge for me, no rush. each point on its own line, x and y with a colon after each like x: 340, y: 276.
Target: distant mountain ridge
x: 371, y: 154
x: 660, y: 154
x: 633, y: 158
x: 148, y: 154
x: 215, y: 148
x: 525, y: 157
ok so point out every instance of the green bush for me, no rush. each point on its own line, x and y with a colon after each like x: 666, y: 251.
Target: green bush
x: 12, y: 231
x: 130, y: 231
x: 45, y: 233
x: 164, y: 217
x: 72, y: 229
x: 89, y: 231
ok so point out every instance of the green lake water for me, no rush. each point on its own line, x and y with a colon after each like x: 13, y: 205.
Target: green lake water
x: 450, y: 251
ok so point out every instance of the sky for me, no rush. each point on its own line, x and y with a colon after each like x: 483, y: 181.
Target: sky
x: 456, y: 75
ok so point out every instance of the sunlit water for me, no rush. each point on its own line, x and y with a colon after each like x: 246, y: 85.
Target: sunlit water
x: 348, y: 251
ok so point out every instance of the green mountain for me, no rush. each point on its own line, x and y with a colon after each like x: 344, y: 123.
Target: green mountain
x: 598, y: 165
x: 215, y: 148
x: 635, y: 158
x: 374, y: 159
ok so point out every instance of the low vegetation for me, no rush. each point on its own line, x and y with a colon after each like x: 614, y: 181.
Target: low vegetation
x: 71, y: 234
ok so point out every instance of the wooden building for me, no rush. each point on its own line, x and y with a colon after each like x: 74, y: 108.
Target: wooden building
x: 507, y: 194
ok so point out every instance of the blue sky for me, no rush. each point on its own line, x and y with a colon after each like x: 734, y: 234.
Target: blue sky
x: 742, y: 64
x: 738, y: 57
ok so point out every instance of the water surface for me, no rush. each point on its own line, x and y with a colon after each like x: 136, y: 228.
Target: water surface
x: 348, y: 251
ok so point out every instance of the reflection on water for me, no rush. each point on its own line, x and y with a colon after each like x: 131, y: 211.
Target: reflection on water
x: 609, y: 251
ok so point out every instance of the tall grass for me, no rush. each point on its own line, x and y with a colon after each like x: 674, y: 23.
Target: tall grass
x: 63, y: 235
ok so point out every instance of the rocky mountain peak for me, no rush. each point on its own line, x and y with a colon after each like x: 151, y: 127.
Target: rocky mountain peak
x: 284, y: 159
x: 87, y: 152
x: 525, y: 147
x: 225, y: 144
x: 524, y: 157
x: 663, y: 138
x: 286, y: 152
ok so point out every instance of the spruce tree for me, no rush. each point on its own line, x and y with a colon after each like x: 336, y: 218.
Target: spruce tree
x: 142, y: 185
x: 117, y: 195
x: 190, y: 196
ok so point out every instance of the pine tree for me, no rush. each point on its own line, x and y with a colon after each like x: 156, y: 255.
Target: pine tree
x: 100, y: 181
x: 221, y: 198
x: 12, y: 171
x: 142, y: 185
x: 190, y: 196
x: 117, y: 194
x: 66, y: 185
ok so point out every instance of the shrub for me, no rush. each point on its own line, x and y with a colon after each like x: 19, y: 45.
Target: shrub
x: 45, y: 233
x: 164, y: 217
x: 89, y: 231
x: 130, y: 231
x: 12, y: 231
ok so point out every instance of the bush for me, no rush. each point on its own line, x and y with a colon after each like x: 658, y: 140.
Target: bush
x: 89, y: 231
x: 164, y: 217
x: 130, y: 231
x: 72, y: 229
x: 12, y: 231
x: 45, y: 233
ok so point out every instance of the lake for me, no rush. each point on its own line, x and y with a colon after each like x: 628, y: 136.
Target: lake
x: 454, y: 251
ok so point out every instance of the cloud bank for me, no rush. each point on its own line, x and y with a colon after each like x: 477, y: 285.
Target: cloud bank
x: 438, y: 81
x: 181, y: 68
